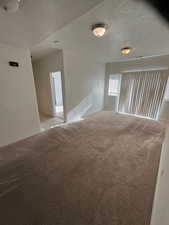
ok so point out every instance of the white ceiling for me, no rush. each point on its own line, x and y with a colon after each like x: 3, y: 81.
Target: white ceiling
x: 37, y: 19
x: 130, y: 22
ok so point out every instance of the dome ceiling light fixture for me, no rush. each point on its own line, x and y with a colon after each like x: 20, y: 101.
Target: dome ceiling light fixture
x: 10, y: 5
x: 126, y: 50
x: 99, y: 29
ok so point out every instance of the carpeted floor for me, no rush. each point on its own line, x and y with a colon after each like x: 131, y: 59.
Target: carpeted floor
x: 100, y: 171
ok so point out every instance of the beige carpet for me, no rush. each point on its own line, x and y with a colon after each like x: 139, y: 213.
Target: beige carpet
x: 100, y: 171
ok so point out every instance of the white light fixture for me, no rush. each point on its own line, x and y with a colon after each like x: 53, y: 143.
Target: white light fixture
x: 10, y: 5
x: 99, y: 29
x: 126, y: 50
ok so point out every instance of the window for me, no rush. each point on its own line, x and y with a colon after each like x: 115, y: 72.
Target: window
x: 114, y: 85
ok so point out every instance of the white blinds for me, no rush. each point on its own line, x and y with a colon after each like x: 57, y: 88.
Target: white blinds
x: 142, y: 93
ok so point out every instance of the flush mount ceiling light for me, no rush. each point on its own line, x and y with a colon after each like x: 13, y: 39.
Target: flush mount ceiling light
x: 10, y: 5
x: 99, y: 29
x: 126, y: 50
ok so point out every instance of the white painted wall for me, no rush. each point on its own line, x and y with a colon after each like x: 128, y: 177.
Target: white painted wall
x: 160, y: 214
x: 42, y: 69
x: 18, y: 107
x: 84, y: 82
x: 138, y: 64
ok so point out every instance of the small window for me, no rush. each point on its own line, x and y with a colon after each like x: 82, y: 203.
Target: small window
x: 114, y: 85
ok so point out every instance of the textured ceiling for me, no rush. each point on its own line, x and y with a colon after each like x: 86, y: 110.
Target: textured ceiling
x: 130, y: 23
x: 39, y: 23
x: 37, y: 19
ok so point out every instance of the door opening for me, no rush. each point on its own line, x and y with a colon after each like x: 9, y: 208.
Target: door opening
x: 57, y: 94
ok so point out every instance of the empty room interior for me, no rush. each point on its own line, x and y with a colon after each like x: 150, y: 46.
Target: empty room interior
x: 84, y: 112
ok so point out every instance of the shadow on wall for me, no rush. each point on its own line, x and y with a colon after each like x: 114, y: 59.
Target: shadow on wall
x: 84, y: 108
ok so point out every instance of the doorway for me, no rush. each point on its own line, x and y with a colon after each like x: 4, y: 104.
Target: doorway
x: 57, y: 94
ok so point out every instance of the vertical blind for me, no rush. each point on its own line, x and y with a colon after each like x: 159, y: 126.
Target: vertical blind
x: 142, y: 93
